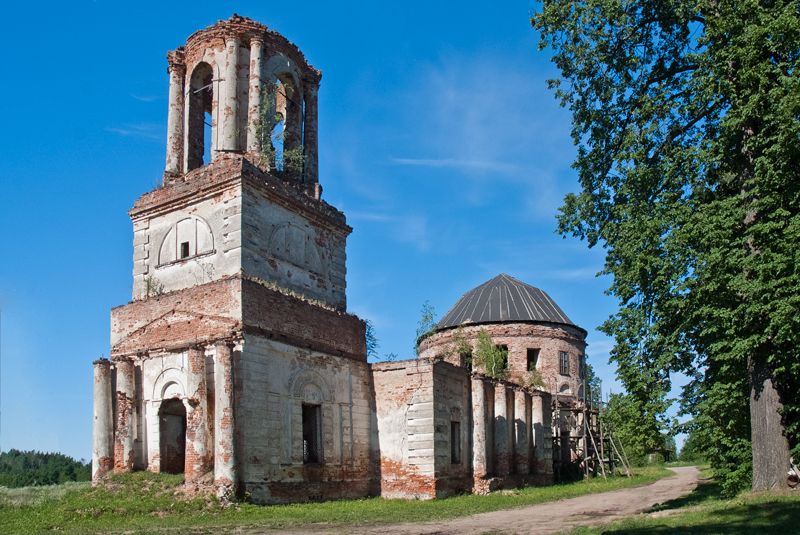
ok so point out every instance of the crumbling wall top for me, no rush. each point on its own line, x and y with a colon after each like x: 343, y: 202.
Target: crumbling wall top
x: 245, y: 30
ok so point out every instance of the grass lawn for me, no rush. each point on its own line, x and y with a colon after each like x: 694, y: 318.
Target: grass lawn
x: 703, y: 511
x: 145, y: 502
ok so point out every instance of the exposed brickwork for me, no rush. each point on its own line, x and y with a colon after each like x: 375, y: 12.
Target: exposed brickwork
x: 103, y: 421
x: 550, y: 339
x: 197, y: 436
x: 273, y: 314
x: 123, y: 438
x: 178, y: 319
x: 224, y: 435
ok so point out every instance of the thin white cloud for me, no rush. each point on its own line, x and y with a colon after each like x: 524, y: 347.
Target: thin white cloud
x: 480, y: 165
x: 145, y: 98
x: 150, y: 131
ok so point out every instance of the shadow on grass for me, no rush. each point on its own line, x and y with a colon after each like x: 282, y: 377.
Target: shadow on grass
x: 741, y: 519
x: 707, y: 490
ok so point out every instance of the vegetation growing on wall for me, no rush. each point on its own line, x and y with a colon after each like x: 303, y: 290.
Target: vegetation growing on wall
x: 489, y: 358
x: 426, y: 324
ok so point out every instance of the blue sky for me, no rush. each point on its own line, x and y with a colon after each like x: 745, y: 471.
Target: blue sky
x: 438, y: 139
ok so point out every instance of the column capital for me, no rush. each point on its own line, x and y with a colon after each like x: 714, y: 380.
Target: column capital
x: 176, y: 68
x: 225, y: 342
x: 176, y: 60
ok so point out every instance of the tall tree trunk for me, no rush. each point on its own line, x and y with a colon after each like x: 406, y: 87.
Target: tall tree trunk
x: 767, y: 432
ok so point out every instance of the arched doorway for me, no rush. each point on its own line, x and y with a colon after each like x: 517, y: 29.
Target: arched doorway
x: 172, y: 436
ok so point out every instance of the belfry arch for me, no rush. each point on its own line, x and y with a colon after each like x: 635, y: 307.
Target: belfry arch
x: 200, y: 143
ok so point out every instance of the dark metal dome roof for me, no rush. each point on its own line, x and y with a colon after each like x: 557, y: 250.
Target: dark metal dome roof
x: 504, y: 299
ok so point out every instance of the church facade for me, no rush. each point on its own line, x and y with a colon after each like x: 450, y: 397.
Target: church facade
x: 236, y: 362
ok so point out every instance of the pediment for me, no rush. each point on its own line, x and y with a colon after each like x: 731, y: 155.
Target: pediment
x: 176, y: 328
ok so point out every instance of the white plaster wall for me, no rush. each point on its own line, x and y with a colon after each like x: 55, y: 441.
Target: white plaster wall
x: 281, y: 246
x: 222, y: 213
x: 275, y: 380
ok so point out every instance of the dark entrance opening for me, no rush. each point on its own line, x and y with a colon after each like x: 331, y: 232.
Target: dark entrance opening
x: 172, y: 436
x: 311, y: 434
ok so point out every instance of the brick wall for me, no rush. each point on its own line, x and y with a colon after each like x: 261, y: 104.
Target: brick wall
x: 550, y: 339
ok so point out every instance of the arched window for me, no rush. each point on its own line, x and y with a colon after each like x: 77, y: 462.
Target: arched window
x: 200, y: 123
x: 186, y: 239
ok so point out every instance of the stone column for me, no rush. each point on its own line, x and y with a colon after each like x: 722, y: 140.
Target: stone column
x: 197, y: 443
x: 480, y: 470
x: 521, y: 424
x: 224, y: 430
x: 542, y: 433
x: 177, y: 76
x: 103, y: 421
x: 230, y: 106
x: 310, y: 138
x: 502, y: 427
x: 255, y: 97
x: 123, y: 437
x: 529, y: 429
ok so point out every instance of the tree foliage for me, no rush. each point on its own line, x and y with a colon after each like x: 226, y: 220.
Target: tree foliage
x: 686, y: 116
x: 594, y: 386
x: 371, y: 339
x: 426, y: 324
x: 639, y: 436
x: 488, y: 357
x: 27, y: 468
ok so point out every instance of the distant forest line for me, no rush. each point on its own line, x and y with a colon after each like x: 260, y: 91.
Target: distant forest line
x: 28, y: 468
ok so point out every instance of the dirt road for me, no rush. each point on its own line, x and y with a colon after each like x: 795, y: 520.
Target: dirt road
x: 553, y: 517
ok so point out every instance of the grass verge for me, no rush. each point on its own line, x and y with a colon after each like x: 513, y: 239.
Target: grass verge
x: 705, y: 512
x: 145, y: 502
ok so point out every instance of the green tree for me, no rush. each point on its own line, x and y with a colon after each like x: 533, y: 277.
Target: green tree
x: 426, y: 324
x: 686, y: 115
x: 26, y: 468
x: 692, y: 449
x: 490, y: 358
x: 623, y: 416
x: 594, y: 386
x: 371, y: 339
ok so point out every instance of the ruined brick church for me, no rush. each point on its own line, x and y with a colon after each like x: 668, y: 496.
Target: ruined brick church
x: 237, y: 364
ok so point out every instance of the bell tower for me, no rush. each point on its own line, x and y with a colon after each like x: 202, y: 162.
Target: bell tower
x: 236, y: 350
x: 239, y: 88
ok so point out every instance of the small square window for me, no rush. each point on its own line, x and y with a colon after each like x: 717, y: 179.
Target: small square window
x: 455, y: 442
x: 533, y: 359
x: 185, y: 249
x: 563, y: 358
